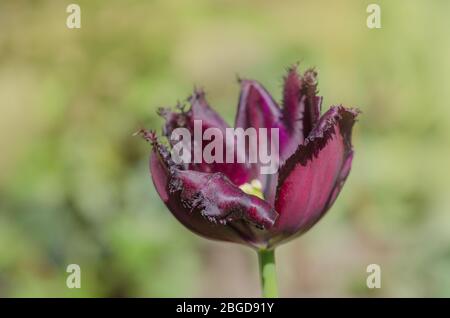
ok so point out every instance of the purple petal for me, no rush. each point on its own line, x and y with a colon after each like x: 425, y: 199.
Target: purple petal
x: 218, y: 200
x: 199, y: 110
x: 312, y: 103
x: 301, y: 105
x: 301, y: 111
x: 312, y: 177
x: 257, y: 109
x: 238, y: 173
x: 209, y: 204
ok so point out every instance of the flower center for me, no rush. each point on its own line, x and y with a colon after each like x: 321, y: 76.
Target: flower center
x: 253, y: 188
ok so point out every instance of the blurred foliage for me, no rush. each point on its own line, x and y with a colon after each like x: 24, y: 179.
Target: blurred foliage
x: 74, y: 183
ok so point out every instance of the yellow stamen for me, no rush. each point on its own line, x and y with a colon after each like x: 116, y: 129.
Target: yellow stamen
x: 253, y: 188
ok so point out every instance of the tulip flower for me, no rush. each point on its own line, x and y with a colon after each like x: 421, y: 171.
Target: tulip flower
x: 235, y: 202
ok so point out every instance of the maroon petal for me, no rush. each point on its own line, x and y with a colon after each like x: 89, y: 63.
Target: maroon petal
x: 301, y: 105
x: 312, y: 103
x: 257, y: 109
x: 218, y: 200
x: 209, y: 204
x: 312, y: 177
x: 301, y: 111
x: 200, y: 110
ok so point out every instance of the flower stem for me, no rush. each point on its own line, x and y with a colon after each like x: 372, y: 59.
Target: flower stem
x: 267, y: 272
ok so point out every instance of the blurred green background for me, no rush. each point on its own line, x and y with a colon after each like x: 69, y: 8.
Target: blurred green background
x: 75, y: 186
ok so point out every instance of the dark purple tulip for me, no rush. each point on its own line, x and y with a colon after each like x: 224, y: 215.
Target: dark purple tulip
x: 315, y: 154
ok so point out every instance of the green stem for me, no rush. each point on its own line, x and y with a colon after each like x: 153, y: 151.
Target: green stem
x: 267, y: 272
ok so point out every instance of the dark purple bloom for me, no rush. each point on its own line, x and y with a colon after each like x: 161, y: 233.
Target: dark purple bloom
x: 315, y: 156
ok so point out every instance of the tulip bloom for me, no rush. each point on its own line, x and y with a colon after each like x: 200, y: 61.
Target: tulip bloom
x: 234, y: 202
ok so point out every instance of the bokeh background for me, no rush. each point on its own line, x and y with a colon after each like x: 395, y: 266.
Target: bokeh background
x: 75, y: 186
